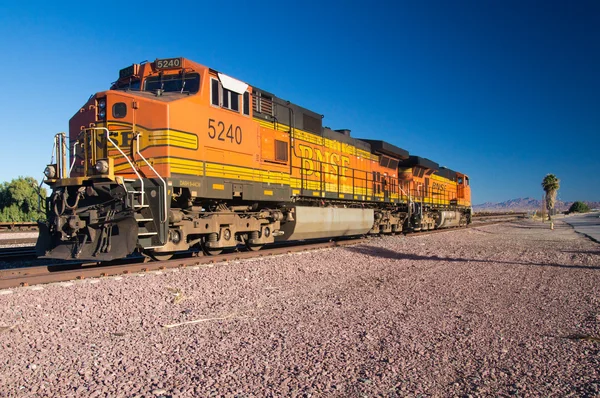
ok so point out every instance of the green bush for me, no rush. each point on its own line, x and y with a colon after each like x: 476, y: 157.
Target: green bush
x: 579, y: 207
x: 19, y: 200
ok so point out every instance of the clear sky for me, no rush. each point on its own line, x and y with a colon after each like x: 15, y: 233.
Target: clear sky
x: 504, y: 91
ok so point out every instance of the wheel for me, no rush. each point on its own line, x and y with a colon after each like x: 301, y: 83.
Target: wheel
x: 253, y: 248
x: 211, y: 252
x: 152, y: 255
x: 251, y: 236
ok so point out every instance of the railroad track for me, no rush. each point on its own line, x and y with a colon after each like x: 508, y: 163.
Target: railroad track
x: 59, y: 273
x: 488, y: 216
x: 18, y: 226
x: 17, y: 253
x: 31, y: 226
x: 27, y: 276
x: 20, y: 241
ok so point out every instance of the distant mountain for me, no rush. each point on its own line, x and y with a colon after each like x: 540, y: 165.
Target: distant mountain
x: 525, y: 204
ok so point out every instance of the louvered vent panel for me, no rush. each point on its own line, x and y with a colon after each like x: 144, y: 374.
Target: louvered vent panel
x: 281, y: 151
x: 266, y: 106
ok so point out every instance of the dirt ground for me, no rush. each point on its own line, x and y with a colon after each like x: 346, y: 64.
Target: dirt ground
x: 511, y: 309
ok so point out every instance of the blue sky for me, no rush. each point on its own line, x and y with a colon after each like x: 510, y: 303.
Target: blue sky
x: 503, y: 91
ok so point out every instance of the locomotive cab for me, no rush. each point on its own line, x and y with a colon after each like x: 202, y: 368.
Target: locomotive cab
x: 111, y: 195
x: 138, y: 175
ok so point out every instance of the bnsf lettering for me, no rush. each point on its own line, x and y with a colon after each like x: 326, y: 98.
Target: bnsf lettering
x: 438, y: 186
x: 121, y: 138
x: 331, y: 163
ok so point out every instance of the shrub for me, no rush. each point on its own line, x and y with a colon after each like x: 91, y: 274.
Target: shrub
x: 19, y: 200
x: 579, y: 207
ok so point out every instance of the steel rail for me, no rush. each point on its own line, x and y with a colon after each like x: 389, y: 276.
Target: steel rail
x: 30, y: 242
x: 499, y: 215
x: 17, y: 226
x: 17, y: 253
x: 48, y: 274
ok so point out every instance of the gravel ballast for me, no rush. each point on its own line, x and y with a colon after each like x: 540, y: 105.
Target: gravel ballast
x: 510, y: 309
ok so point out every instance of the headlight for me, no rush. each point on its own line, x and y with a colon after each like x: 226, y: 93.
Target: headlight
x: 102, y: 166
x: 102, y: 104
x: 50, y: 171
x: 102, y: 113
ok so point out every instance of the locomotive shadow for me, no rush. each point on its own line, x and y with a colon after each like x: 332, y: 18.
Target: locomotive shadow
x: 390, y: 254
x: 483, y: 231
x: 597, y: 252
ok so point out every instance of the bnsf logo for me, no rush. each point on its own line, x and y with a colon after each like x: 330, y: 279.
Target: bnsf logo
x: 122, y: 138
x: 314, y: 160
x: 438, y: 186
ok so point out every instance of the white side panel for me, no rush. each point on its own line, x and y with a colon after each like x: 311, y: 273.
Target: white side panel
x: 326, y: 222
x: 232, y: 84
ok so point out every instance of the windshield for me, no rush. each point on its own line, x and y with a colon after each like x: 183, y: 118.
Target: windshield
x: 170, y: 83
x: 132, y: 84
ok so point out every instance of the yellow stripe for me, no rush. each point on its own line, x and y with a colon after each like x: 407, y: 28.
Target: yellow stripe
x: 170, y: 137
x: 318, y: 140
x: 182, y: 166
x: 193, y: 167
x: 247, y: 174
x: 436, y: 177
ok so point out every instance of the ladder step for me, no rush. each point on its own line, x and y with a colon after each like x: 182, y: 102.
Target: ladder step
x: 129, y: 179
x: 140, y: 206
x: 144, y: 219
x: 147, y: 233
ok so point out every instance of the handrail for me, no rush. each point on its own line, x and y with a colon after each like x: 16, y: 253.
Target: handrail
x: 64, y: 155
x: 137, y: 142
x: 74, y: 158
x: 60, y: 146
x: 54, y: 151
x: 124, y: 155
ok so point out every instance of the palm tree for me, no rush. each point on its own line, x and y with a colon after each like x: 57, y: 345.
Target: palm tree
x: 551, y: 184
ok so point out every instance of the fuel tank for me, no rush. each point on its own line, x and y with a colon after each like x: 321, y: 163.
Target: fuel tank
x: 448, y: 219
x: 326, y: 222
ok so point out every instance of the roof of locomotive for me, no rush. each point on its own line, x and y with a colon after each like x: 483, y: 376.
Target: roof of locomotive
x: 446, y: 173
x: 378, y: 146
x: 417, y: 161
x: 290, y: 114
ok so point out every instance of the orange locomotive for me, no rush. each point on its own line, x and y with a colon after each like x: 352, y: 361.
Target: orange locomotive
x: 176, y: 155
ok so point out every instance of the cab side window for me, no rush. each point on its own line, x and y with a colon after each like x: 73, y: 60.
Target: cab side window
x: 228, y: 99
x: 214, y: 92
x: 231, y: 100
